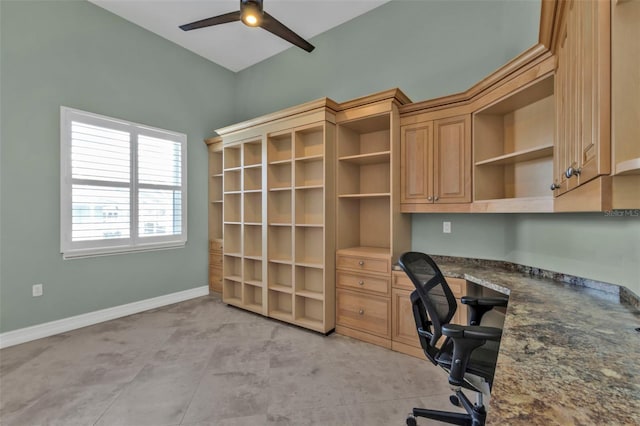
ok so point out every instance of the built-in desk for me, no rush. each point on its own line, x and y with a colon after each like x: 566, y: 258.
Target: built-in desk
x: 569, y: 354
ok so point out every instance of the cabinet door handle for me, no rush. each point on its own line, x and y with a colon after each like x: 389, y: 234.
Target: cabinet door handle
x: 572, y: 172
x: 436, y: 199
x: 361, y: 282
x: 429, y: 198
x: 554, y: 186
x: 361, y: 312
x: 361, y: 263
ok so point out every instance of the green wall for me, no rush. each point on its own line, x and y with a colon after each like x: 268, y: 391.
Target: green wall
x: 426, y: 48
x: 76, y: 54
x: 79, y: 55
x: 430, y: 49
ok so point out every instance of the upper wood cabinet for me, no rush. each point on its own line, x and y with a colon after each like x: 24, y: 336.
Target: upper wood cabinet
x: 435, y: 163
x: 597, y: 160
x: 582, y: 87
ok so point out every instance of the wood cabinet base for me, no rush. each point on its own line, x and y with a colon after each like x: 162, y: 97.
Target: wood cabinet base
x: 408, y: 350
x: 365, y: 337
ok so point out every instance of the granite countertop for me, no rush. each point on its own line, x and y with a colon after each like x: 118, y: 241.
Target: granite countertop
x: 570, y: 353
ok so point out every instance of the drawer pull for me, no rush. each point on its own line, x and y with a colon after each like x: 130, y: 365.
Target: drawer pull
x: 361, y: 263
x: 361, y: 312
x: 361, y: 282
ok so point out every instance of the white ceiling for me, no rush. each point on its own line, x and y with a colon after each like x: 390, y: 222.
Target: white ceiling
x: 234, y: 45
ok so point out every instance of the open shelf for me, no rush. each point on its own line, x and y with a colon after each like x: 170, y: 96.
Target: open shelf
x: 232, y: 238
x: 310, y: 282
x: 309, y: 173
x: 363, y: 179
x: 513, y: 146
x: 279, y: 207
x: 364, y: 222
x: 279, y: 175
x: 309, y: 312
x: 232, y: 180
x: 310, y: 206
x: 280, y: 277
x: 364, y: 136
x: 232, y: 209
x: 280, y: 305
x: 232, y: 267
x: 231, y: 157
x: 252, y: 298
x: 252, y: 153
x: 309, y: 246
x: 280, y: 244
x: 371, y: 158
x: 519, y: 156
x: 252, y: 241
x: 253, y: 179
x: 279, y: 147
x: 232, y: 292
x: 253, y: 207
x: 309, y: 141
x: 628, y: 167
x: 380, y: 195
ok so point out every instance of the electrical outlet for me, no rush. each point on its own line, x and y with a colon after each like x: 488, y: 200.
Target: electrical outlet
x: 446, y: 227
x: 36, y: 290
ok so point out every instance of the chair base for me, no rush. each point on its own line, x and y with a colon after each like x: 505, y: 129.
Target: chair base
x: 476, y: 414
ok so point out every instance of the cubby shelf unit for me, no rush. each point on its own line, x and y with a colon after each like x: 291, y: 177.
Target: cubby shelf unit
x: 513, y: 150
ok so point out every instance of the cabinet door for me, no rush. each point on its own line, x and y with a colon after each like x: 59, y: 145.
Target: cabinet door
x: 452, y: 160
x: 416, y: 148
x: 583, y: 145
x: 403, y: 325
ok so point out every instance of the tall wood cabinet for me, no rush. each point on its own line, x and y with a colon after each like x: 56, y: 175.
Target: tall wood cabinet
x: 371, y: 232
x: 436, y: 163
x: 276, y: 204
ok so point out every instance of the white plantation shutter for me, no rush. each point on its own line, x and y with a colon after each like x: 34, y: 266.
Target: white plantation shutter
x: 123, y: 186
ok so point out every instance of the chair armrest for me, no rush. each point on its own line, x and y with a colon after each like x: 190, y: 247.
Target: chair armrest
x: 478, y: 306
x: 475, y: 332
x: 484, y: 301
x: 466, y: 338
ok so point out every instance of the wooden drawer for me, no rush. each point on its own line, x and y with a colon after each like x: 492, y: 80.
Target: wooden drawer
x: 365, y: 264
x: 369, y: 283
x: 215, y: 245
x: 402, y: 281
x: 363, y: 312
x: 215, y: 260
x: 215, y: 279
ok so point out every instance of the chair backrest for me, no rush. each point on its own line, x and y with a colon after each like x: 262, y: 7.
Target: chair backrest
x: 432, y: 289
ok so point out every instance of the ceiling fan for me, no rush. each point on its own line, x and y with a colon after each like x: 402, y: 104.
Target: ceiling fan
x: 252, y: 14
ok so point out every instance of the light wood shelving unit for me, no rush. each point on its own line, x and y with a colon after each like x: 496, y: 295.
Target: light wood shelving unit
x: 243, y: 228
x: 513, y: 150
x: 299, y: 212
x: 276, y: 212
x: 371, y: 232
x: 215, y: 214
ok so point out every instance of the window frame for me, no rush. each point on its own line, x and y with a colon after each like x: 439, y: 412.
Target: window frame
x: 135, y: 242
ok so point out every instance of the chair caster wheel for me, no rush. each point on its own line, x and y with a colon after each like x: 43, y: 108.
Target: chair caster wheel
x: 454, y: 400
x: 411, y: 421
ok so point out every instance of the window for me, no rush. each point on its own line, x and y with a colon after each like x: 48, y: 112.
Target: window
x: 123, y: 186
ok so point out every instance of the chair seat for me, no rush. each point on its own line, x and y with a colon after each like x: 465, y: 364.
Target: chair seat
x: 482, y: 362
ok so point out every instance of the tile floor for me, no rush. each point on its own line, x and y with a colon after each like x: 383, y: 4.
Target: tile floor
x: 200, y: 363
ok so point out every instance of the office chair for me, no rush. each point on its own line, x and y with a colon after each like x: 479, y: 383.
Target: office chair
x: 468, y: 353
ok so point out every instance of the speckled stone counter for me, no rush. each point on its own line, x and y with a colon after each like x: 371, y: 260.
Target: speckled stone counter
x: 569, y: 355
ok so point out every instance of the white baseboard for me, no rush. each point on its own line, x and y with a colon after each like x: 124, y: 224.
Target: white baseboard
x: 27, y: 334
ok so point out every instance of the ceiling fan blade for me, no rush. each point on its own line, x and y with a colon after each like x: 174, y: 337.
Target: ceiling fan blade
x: 276, y: 27
x: 216, y: 20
